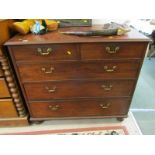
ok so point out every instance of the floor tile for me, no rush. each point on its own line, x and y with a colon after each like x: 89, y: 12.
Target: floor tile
x: 146, y: 122
x: 143, y: 102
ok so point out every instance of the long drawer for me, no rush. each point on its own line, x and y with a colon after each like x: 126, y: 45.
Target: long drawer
x: 45, y: 52
x: 80, y: 108
x: 7, y: 108
x: 78, y: 70
x: 78, y: 89
x: 4, y: 92
x: 112, y: 50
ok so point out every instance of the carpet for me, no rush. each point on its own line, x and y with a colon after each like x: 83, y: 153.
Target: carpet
x: 78, y: 127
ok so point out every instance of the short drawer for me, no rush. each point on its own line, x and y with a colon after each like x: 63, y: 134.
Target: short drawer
x: 78, y: 70
x: 78, y: 89
x: 45, y: 52
x: 80, y: 108
x: 7, y: 108
x: 4, y: 92
x: 112, y: 50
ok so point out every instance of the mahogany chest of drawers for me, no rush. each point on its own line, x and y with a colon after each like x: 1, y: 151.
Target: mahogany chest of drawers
x: 64, y: 76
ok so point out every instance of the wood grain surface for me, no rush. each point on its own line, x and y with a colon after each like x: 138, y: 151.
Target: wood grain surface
x: 57, y: 37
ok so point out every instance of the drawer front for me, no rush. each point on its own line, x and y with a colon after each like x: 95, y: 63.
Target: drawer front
x: 4, y: 92
x: 80, y: 108
x: 78, y: 89
x: 45, y: 52
x: 60, y: 71
x: 1, y: 72
x: 112, y: 50
x: 7, y: 108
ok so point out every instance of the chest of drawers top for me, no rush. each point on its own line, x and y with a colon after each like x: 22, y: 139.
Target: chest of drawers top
x: 57, y: 37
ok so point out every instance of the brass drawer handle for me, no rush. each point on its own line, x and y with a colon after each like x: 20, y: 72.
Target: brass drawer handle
x: 107, y: 87
x: 107, y: 69
x: 105, y: 106
x: 51, y: 90
x: 53, y: 107
x: 49, y: 71
x: 112, y: 50
x: 44, y: 52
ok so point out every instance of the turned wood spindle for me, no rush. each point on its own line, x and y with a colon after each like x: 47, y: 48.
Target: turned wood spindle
x: 12, y: 86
